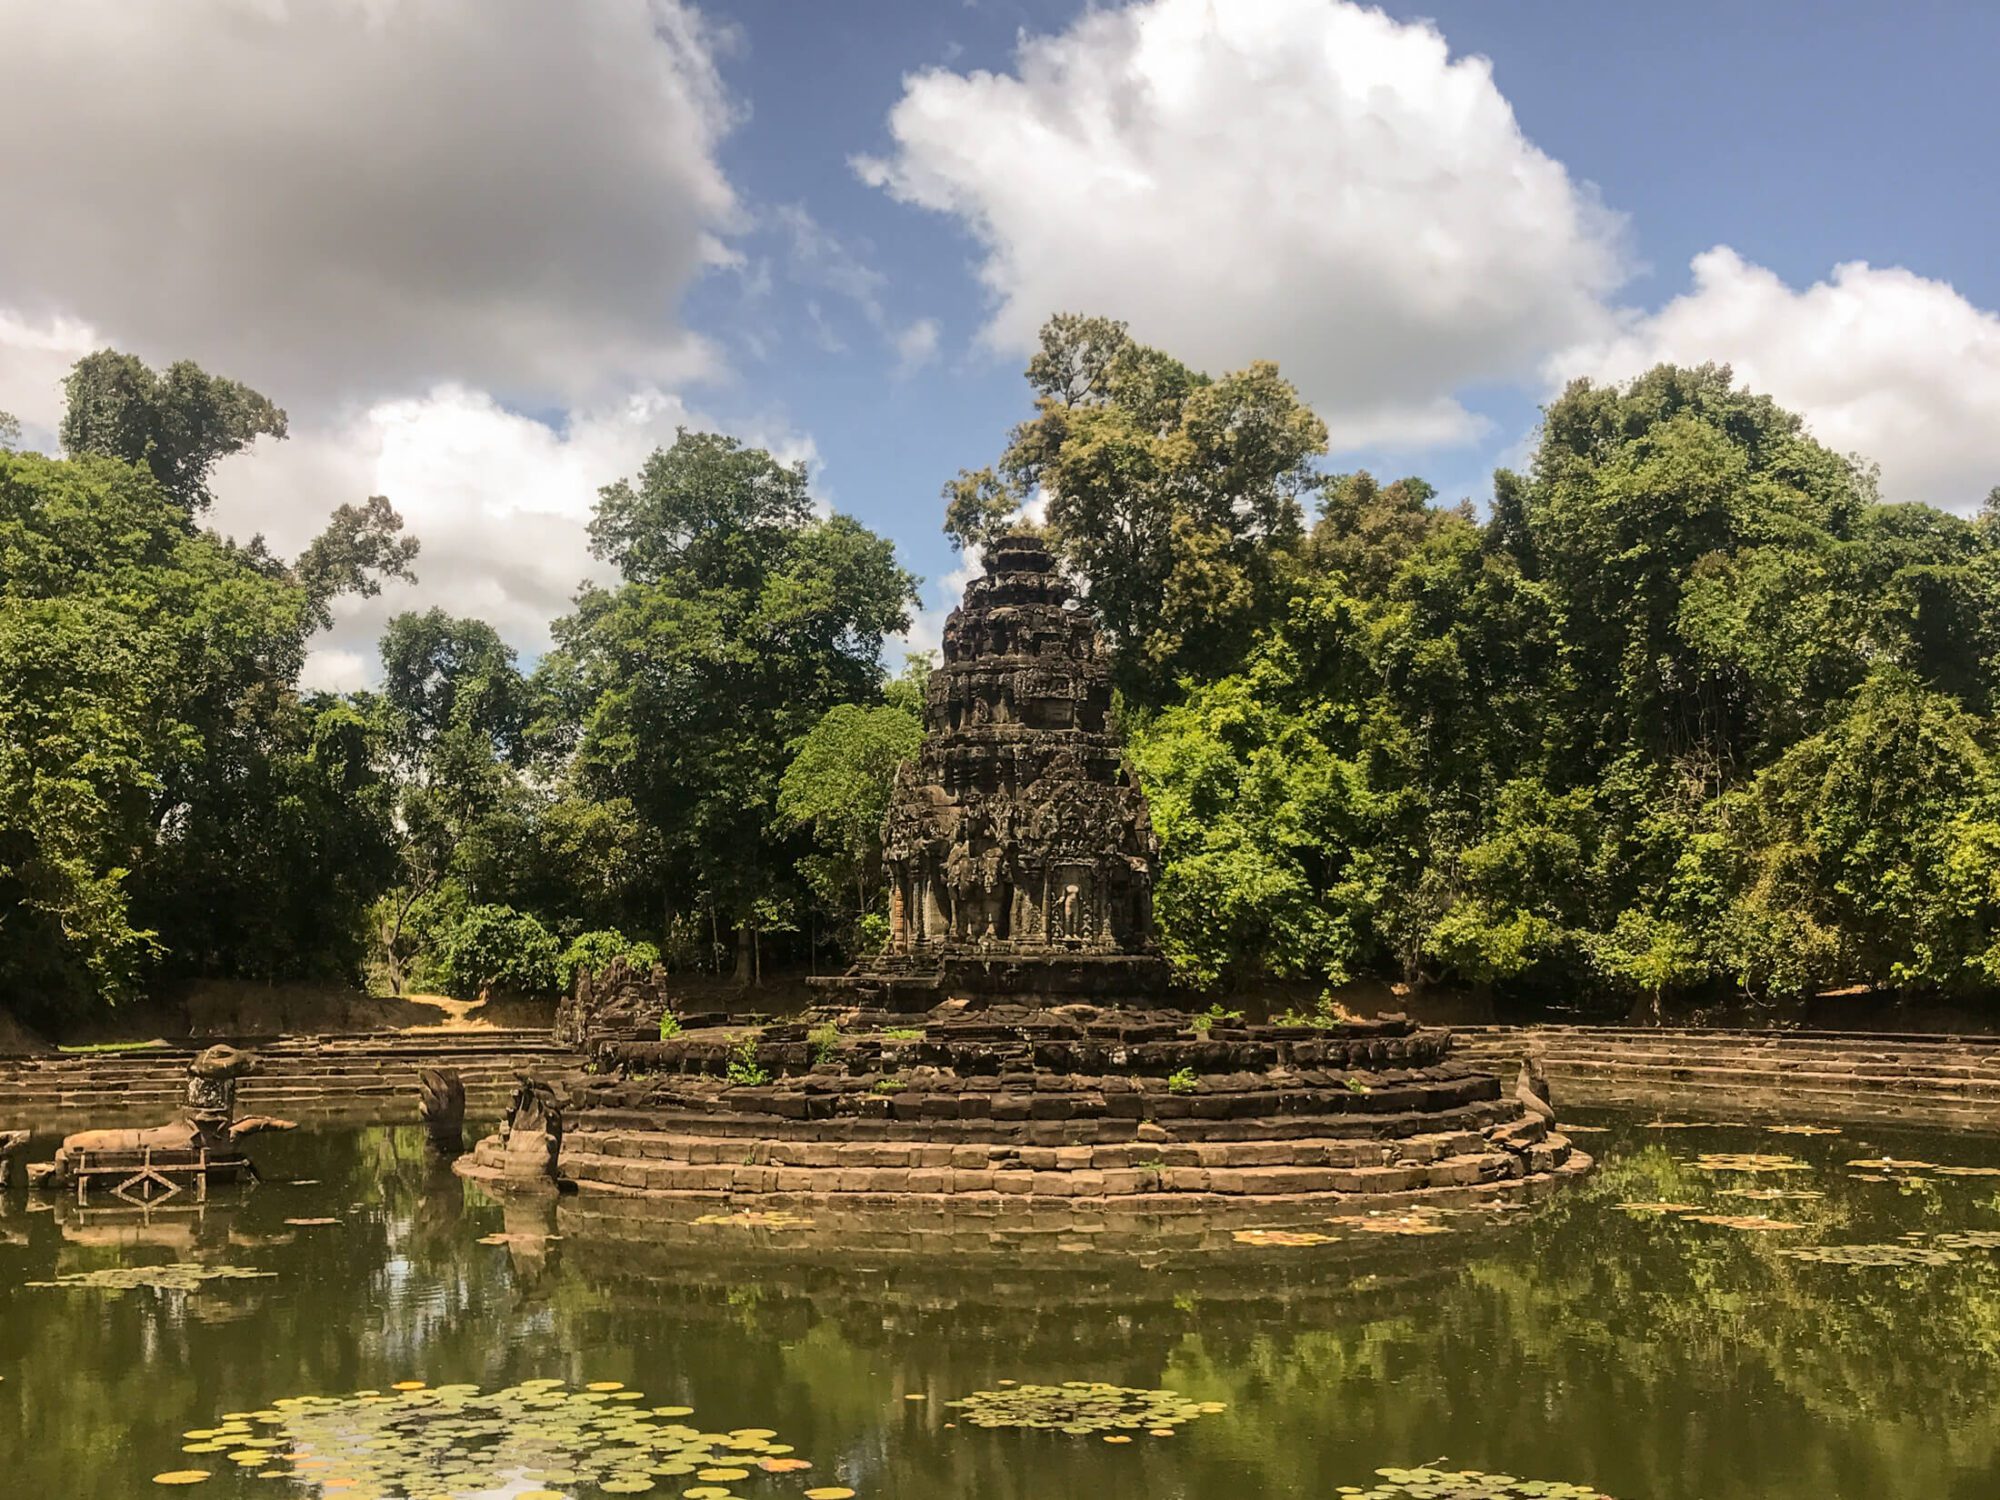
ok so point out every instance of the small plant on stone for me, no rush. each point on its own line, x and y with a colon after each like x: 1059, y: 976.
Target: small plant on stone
x: 744, y: 1068
x: 1204, y: 1021
x: 1326, y: 1013
x: 889, y: 1086
x: 825, y: 1042
x: 1182, y: 1081
x: 670, y: 1025
x: 1356, y: 1086
x: 902, y: 1034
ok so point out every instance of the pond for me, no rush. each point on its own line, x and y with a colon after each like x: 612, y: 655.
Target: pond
x: 1675, y: 1349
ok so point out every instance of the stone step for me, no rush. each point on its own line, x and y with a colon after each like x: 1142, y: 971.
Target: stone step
x: 664, y: 1147
x: 589, y: 1169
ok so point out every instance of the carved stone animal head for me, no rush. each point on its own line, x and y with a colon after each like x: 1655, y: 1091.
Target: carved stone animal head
x: 220, y: 1062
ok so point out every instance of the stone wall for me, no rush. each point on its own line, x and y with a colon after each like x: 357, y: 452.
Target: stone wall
x: 1731, y: 1074
x: 358, y: 1079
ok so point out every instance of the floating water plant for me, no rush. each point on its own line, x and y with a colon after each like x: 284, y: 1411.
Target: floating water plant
x: 1804, y: 1129
x: 1411, y: 1221
x: 177, y: 1277
x: 1969, y: 1239
x: 751, y: 1218
x: 1892, y: 1164
x: 1888, y: 1255
x: 1292, y: 1237
x: 1468, y: 1484
x: 1749, y: 1223
x: 1082, y: 1407
x: 1770, y: 1195
x: 414, y: 1439
x: 1748, y: 1161
x: 1658, y: 1208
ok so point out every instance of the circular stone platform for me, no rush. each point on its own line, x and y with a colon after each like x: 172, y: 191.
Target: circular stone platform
x: 1018, y: 1038
x: 1075, y: 1103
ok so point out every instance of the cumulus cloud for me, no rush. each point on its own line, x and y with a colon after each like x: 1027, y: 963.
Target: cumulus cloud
x: 1880, y: 361
x: 343, y: 198
x: 500, y: 500
x: 1300, y: 179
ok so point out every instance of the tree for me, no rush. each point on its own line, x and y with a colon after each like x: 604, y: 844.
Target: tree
x: 1176, y: 497
x: 838, y: 786
x: 178, y: 424
x: 741, y: 618
x: 454, y: 711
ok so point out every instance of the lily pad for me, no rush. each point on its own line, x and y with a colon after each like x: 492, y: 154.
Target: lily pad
x: 1750, y: 1223
x: 1658, y: 1208
x: 1891, y: 1256
x: 1411, y: 1221
x: 1469, y: 1484
x: 750, y: 1218
x: 419, y: 1440
x: 1292, y: 1237
x: 177, y: 1277
x: 1080, y: 1407
x: 1748, y: 1161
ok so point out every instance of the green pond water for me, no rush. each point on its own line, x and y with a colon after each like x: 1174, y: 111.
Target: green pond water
x: 1646, y: 1355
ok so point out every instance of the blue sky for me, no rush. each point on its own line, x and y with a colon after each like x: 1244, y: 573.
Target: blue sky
x: 504, y: 249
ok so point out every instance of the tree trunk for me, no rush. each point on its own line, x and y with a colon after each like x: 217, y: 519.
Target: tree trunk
x: 745, y: 956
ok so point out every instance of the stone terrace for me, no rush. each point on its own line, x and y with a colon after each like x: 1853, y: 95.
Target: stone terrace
x: 1852, y: 1076
x: 356, y: 1079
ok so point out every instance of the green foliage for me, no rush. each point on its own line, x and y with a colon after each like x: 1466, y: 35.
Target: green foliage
x: 1176, y: 496
x: 740, y: 620
x: 484, y: 948
x: 743, y: 1067
x: 593, y: 952
x: 1183, y: 1081
x: 837, y: 787
x: 670, y: 1025
x: 1690, y: 712
x: 1204, y: 1021
x: 825, y: 1042
x: 168, y: 803
x: 888, y: 1086
x: 178, y: 424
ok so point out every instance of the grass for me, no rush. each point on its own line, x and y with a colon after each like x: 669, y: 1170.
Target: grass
x: 92, y: 1047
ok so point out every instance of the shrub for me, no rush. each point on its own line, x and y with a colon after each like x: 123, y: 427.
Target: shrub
x: 743, y: 1066
x: 1182, y: 1081
x: 670, y: 1025
x: 825, y: 1042
x: 592, y: 953
x: 493, y: 948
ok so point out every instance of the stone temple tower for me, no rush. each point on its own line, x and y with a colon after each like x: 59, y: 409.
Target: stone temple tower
x: 1020, y: 855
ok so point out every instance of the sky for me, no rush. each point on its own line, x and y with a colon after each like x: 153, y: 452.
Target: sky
x: 490, y: 253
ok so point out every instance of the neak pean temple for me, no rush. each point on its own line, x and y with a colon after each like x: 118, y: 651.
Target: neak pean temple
x: 1018, y: 1041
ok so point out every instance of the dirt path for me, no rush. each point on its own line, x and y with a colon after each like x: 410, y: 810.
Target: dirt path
x: 457, y: 1014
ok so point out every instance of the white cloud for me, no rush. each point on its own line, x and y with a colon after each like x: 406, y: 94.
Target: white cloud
x: 1880, y: 361
x: 816, y: 257
x: 925, y: 637
x: 500, y: 501
x: 34, y: 357
x: 345, y: 198
x: 916, y: 345
x: 1299, y: 179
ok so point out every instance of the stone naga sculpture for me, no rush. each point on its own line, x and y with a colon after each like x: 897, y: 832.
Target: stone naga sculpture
x: 11, y: 1142
x: 531, y: 1139
x: 207, y: 1119
x: 441, y: 1102
x: 1531, y: 1087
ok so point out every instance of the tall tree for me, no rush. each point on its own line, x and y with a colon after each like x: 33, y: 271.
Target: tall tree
x: 1177, y: 497
x: 179, y: 423
x: 741, y: 618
